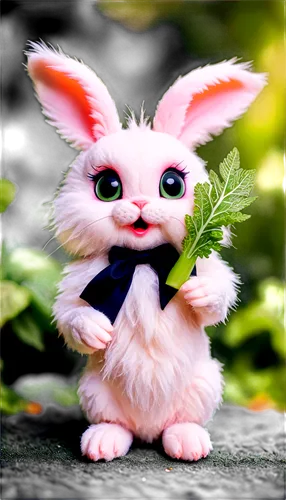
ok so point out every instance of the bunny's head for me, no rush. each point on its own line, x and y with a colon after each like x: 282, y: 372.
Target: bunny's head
x: 132, y: 187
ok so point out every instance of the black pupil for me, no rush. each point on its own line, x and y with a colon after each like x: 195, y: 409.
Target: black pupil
x: 172, y: 184
x: 108, y: 186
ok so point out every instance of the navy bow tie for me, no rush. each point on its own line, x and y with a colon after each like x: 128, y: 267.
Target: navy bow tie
x: 107, y: 291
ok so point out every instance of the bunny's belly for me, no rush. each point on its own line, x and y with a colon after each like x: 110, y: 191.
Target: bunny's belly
x: 157, y: 369
x: 153, y: 352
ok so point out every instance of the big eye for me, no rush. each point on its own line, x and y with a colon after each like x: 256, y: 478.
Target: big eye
x: 172, y: 185
x: 108, y: 186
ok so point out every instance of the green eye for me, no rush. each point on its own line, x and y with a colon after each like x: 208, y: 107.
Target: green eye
x: 108, y: 186
x: 172, y: 185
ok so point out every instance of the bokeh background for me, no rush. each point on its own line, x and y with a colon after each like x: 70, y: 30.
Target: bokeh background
x: 139, y: 49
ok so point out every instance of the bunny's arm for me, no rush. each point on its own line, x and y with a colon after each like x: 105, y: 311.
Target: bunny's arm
x: 213, y: 291
x: 84, y: 329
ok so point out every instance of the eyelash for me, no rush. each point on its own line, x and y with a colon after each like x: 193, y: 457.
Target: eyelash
x: 99, y: 170
x: 92, y: 177
x: 180, y: 172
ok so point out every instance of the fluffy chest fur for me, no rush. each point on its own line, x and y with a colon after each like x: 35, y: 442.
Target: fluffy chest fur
x: 153, y: 352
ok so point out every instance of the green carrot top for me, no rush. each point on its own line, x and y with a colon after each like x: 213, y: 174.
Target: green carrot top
x: 217, y: 203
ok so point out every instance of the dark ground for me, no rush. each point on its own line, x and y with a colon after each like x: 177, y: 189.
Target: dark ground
x: 41, y: 459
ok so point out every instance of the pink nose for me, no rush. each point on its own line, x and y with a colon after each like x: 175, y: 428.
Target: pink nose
x: 140, y: 203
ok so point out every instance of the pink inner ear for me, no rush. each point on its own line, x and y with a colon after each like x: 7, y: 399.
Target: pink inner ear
x: 209, y: 95
x: 67, y: 88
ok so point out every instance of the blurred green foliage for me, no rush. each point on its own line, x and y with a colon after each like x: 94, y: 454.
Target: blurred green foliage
x: 252, y: 343
x: 28, y: 285
x: 7, y: 193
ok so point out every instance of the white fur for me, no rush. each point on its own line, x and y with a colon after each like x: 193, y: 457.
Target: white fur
x: 152, y: 372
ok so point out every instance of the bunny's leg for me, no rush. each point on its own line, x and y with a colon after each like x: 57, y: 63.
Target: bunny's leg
x: 187, y: 439
x: 108, y: 437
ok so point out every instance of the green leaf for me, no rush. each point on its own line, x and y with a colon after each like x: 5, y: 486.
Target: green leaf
x: 227, y: 219
x: 27, y: 264
x: 217, y: 234
x: 13, y: 300
x: 230, y: 163
x: 214, y: 179
x: 241, y: 202
x: 10, y: 402
x: 233, y: 390
x: 8, y: 246
x: 263, y: 314
x: 7, y: 193
x: 203, y: 203
x: 243, y: 384
x: 217, y: 203
x: 65, y: 395
x: 38, y: 273
x: 42, y: 298
x: 28, y: 331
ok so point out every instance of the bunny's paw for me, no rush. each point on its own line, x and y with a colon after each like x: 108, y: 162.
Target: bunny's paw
x: 200, y: 291
x: 92, y: 329
x: 186, y: 441
x: 205, y: 296
x: 105, y: 442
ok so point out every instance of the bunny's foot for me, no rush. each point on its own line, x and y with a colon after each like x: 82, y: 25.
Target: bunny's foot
x: 105, y: 442
x: 186, y: 441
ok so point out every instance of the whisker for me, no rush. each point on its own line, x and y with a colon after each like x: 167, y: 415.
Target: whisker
x: 83, y: 229
x: 47, y: 243
x: 73, y: 237
x: 93, y: 222
x: 172, y: 217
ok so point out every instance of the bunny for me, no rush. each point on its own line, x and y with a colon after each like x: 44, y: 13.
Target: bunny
x: 121, y: 210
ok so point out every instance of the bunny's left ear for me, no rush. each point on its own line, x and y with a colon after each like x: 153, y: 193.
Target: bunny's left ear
x: 207, y: 100
x: 72, y: 96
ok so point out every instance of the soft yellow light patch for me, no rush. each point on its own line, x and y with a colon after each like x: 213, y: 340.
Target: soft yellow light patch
x: 274, y: 295
x: 271, y: 171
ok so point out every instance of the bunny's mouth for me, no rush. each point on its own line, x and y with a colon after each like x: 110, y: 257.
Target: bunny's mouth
x: 139, y: 227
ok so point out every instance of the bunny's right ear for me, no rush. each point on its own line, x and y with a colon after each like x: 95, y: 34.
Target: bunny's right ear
x: 73, y: 98
x: 206, y: 101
